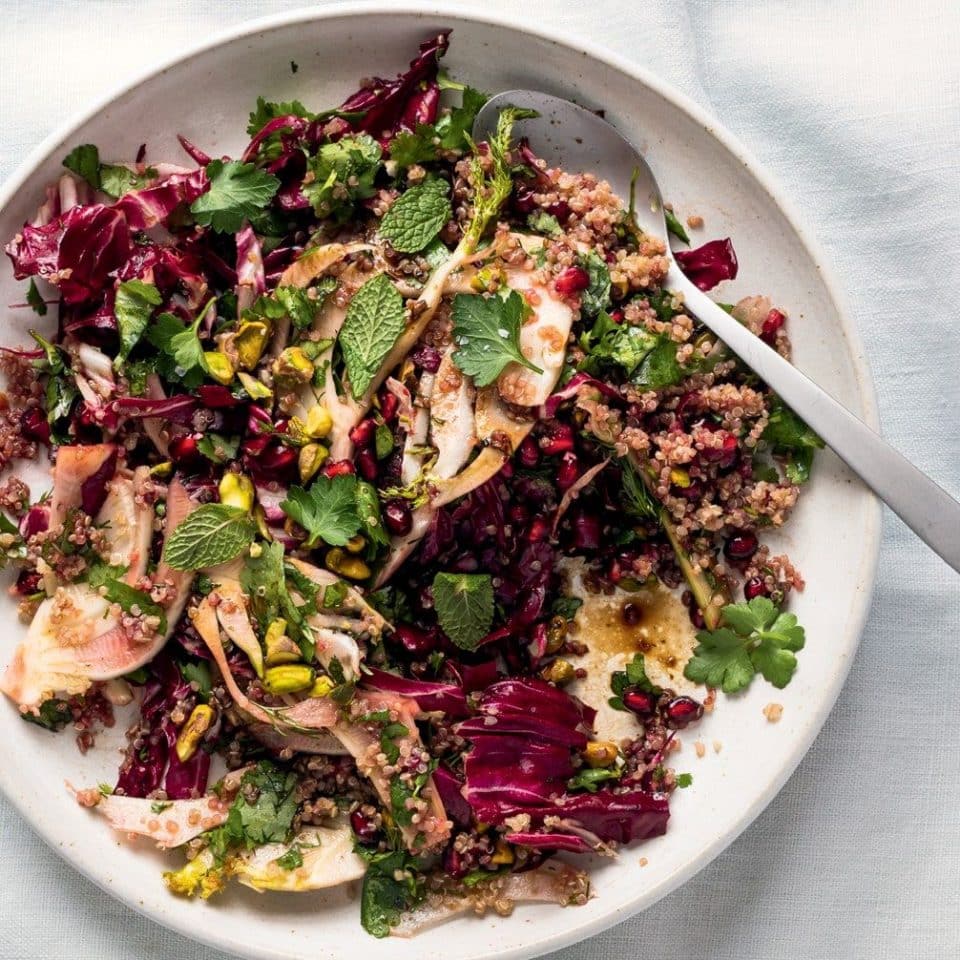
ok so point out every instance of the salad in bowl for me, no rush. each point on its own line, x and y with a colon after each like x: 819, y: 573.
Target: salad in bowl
x: 375, y: 451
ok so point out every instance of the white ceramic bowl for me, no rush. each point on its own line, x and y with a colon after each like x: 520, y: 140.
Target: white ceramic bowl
x: 833, y: 537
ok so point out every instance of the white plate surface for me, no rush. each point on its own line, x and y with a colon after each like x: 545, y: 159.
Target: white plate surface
x: 833, y: 537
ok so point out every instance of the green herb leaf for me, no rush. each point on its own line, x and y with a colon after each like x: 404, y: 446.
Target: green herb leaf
x: 84, y: 161
x: 634, y: 676
x: 417, y: 216
x: 374, y: 320
x: 118, y: 180
x: 267, y: 110
x: 566, y: 607
x: 51, y: 715
x: 237, y: 192
x: 199, y: 673
x: 636, y: 497
x: 158, y: 806
x: 383, y: 441
x: 291, y: 860
x: 342, y: 173
x: 327, y: 511
x: 597, y: 295
x: 674, y: 226
x: 34, y: 300
x: 391, y: 886
x: 487, y: 333
x: 660, y: 367
x: 622, y: 344
x: 134, y: 304
x: 108, y: 581
x: 792, y: 439
x: 684, y: 780
x: 299, y: 306
x: 218, y: 448
x: 464, y: 605
x: 545, y: 223
x: 371, y: 522
x: 417, y: 146
x: 756, y: 637
x: 454, y: 128
x: 590, y: 780
x: 181, y: 347
x: 212, y: 534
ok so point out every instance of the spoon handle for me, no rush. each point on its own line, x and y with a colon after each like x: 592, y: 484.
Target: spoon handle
x: 925, y: 507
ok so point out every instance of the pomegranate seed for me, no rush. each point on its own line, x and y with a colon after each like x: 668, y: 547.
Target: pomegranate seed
x: 367, y: 464
x: 427, y: 358
x: 184, y: 451
x: 389, y: 404
x: 523, y: 201
x: 586, y: 530
x: 362, y: 434
x: 453, y: 862
x: 560, y: 209
x: 33, y: 425
x: 742, y: 546
x: 539, y: 529
x: 754, y: 587
x: 724, y: 455
x: 616, y: 315
x: 28, y: 583
x: 641, y: 702
x: 337, y: 468
x: 696, y: 617
x: 693, y: 490
x: 773, y: 321
x: 558, y: 440
x: 568, y: 473
x: 258, y: 419
x: 417, y: 642
x: 632, y: 613
x: 397, y: 517
x: 572, y: 281
x: 682, y: 711
x: 363, y: 826
x: 529, y: 453
x: 518, y: 513
x: 36, y: 521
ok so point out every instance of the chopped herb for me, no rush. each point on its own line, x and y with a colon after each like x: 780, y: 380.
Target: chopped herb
x: 34, y: 300
x: 158, y: 806
x: 134, y: 304
x: 634, y: 676
x: 391, y: 886
x: 237, y: 192
x: 197, y: 671
x: 684, y: 780
x: 342, y: 173
x: 597, y: 295
x: 108, y: 581
x: 589, y: 779
x: 383, y: 441
x: 217, y: 448
x: 545, y: 223
x: 51, y: 714
x: 674, y: 226
x: 292, y: 859
x: 566, y: 607
x: 84, y: 161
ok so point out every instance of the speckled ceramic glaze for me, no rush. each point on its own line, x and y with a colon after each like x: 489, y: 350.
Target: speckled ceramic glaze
x: 833, y: 537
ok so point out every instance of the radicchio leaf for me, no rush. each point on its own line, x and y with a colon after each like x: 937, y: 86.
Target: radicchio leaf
x: 708, y: 265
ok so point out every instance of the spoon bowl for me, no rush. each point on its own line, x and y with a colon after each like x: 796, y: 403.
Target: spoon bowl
x: 568, y: 136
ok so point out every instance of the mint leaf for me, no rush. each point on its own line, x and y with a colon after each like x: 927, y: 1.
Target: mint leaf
x: 417, y: 216
x: 299, y: 306
x: 375, y: 318
x: 464, y: 605
x: 212, y: 534
x: 237, y: 192
x: 674, y: 226
x: 756, y: 636
x: 487, y: 333
x: 84, y: 161
x: 34, y: 300
x: 134, y: 304
x: 327, y: 511
x: 342, y: 173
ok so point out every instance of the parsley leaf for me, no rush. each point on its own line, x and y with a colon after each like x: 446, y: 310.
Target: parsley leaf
x: 34, y: 300
x: 217, y: 448
x: 791, y: 438
x: 342, y: 173
x: 622, y: 344
x: 674, y: 225
x: 84, y: 161
x: 390, y: 888
x: 374, y: 320
x: 545, y: 223
x: 199, y: 673
x: 327, y: 511
x: 183, y: 358
x: 267, y: 110
x: 566, y: 607
x: 299, y: 306
x: 134, y: 304
x: 237, y: 192
x: 118, y: 180
x: 756, y: 637
x: 52, y: 715
x: 684, y: 780
x: 660, y: 367
x: 464, y: 605
x: 212, y: 534
x: 589, y: 779
x: 487, y: 333
x: 634, y: 676
x: 597, y: 295
x: 418, y: 146
x: 417, y: 216
x: 109, y: 582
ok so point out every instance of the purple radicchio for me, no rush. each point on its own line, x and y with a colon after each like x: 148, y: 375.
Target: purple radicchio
x: 448, y: 698
x: 708, y: 265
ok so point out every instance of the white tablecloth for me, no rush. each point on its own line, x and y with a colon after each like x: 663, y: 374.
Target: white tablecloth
x: 854, y: 105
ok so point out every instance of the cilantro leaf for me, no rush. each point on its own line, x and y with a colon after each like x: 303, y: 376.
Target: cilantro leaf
x: 199, y: 673
x: 374, y: 320
x: 622, y: 344
x: 237, y: 192
x: 756, y: 637
x: 34, y: 300
x: 487, y: 333
x: 597, y: 295
x: 455, y: 127
x: 267, y: 110
x: 327, y: 511
x: 299, y: 306
x: 674, y: 225
x: 212, y: 534
x: 342, y: 173
x: 464, y: 605
x: 134, y: 304
x: 417, y: 216
x: 84, y: 161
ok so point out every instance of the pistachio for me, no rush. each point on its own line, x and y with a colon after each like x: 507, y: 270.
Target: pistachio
x: 600, y: 753
x: 556, y: 634
x: 318, y: 423
x: 680, y: 478
x: 356, y: 544
x: 559, y: 672
x: 255, y: 389
x: 236, y: 490
x: 311, y: 459
x: 263, y: 528
x: 353, y: 568
x: 280, y: 648
x: 249, y: 343
x: 162, y: 470
x: 198, y: 723
x: 288, y: 678
x: 219, y: 366
x: 293, y: 366
x: 322, y: 686
x: 502, y: 853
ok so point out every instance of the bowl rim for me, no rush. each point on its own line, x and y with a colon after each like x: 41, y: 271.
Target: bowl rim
x: 473, y: 12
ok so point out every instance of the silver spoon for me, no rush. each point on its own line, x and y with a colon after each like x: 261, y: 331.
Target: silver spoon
x: 569, y: 136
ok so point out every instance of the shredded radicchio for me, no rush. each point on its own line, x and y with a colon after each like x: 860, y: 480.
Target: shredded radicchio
x: 710, y: 264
